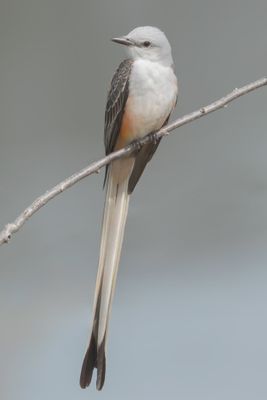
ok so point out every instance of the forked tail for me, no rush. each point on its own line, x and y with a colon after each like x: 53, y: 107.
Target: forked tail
x: 114, y: 219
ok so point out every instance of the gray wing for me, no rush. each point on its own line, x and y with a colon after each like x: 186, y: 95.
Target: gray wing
x: 116, y: 101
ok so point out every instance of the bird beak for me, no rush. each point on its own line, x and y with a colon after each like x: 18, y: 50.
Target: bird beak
x: 123, y: 40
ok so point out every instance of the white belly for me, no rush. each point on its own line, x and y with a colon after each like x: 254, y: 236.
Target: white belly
x: 152, y: 96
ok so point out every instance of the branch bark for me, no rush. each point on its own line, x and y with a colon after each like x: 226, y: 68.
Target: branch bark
x: 9, y: 229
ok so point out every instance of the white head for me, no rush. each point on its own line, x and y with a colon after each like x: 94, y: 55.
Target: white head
x: 149, y: 43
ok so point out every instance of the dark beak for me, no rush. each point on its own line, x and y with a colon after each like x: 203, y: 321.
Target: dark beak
x: 123, y: 40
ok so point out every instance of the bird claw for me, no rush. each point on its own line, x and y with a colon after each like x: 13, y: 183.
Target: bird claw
x: 154, y: 138
x: 136, y: 145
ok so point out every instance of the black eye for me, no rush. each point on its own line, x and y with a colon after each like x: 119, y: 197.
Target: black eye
x: 146, y: 43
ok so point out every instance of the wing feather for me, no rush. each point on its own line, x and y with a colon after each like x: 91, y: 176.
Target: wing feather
x: 116, y: 101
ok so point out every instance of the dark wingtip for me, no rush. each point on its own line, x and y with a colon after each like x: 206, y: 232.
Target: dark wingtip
x: 89, y: 363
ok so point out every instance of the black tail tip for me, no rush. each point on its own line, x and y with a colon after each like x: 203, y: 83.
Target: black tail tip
x: 101, y: 366
x: 94, y: 358
x: 89, y: 363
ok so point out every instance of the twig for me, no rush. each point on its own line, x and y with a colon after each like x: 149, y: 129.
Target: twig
x: 13, y: 227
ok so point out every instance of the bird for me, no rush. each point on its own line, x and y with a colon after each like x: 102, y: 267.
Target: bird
x: 142, y: 95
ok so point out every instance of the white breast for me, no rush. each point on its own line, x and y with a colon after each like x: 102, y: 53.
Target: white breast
x: 152, y: 95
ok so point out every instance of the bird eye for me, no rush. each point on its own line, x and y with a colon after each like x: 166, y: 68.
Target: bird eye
x: 146, y: 43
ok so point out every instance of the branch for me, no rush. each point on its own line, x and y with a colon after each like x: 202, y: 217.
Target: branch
x: 6, y: 233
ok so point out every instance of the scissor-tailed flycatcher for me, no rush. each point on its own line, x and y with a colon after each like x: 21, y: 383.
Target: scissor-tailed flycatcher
x: 142, y: 95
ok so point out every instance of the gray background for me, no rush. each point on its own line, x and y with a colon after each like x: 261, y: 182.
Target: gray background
x: 189, y: 319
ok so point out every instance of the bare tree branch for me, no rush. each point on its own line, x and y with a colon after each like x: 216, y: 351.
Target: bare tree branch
x: 13, y: 227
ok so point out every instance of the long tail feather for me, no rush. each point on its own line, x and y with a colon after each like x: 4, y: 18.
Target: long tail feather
x: 114, y: 219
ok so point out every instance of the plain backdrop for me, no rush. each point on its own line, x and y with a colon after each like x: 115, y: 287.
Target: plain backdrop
x: 189, y: 319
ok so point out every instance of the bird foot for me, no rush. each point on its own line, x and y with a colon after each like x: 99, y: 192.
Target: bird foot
x: 136, y: 145
x: 153, y: 137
